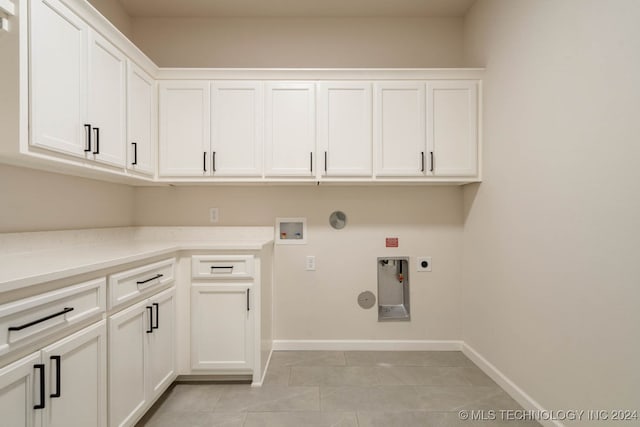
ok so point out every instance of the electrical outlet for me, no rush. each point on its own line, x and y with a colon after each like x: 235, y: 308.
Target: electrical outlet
x: 311, y: 263
x: 423, y: 263
x: 213, y: 215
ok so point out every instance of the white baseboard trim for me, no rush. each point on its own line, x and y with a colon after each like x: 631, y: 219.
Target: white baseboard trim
x: 367, y: 345
x: 264, y: 373
x: 519, y: 395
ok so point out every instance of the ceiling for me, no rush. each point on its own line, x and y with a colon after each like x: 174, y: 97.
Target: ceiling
x: 296, y: 8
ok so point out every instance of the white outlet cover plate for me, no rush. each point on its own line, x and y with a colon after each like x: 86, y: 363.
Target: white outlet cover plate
x: 311, y: 263
x: 419, y: 262
x: 213, y: 214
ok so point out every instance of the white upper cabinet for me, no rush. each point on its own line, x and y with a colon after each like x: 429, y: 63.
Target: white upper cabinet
x: 106, y: 103
x: 400, y: 129
x: 184, y: 129
x: 452, y: 123
x: 58, y: 49
x: 344, y: 128
x: 141, y: 120
x: 237, y: 128
x: 290, y: 140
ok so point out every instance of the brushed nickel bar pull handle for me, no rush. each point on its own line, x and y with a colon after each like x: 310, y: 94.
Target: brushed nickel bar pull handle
x: 432, y: 161
x: 422, y: 161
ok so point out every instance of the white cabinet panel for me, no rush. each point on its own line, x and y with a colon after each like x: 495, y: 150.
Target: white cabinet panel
x: 20, y: 391
x: 400, y: 129
x: 142, y: 360
x: 452, y: 123
x: 127, y: 370
x: 221, y: 327
x: 344, y: 128
x: 237, y: 120
x: 106, y: 104
x: 141, y: 120
x: 290, y: 129
x: 161, y: 359
x: 58, y: 51
x: 76, y: 389
x: 184, y: 129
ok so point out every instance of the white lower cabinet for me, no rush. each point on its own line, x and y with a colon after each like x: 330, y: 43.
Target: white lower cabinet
x: 222, y: 327
x: 141, y: 356
x: 63, y: 385
x: 17, y: 392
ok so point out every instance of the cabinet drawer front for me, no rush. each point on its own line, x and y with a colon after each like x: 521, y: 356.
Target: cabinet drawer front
x: 130, y: 284
x: 35, y: 318
x: 222, y: 266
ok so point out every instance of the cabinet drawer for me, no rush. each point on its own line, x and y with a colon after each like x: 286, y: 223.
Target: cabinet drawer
x: 35, y: 318
x: 130, y: 284
x: 222, y: 266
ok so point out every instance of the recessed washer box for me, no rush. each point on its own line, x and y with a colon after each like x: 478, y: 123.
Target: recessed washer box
x: 291, y: 231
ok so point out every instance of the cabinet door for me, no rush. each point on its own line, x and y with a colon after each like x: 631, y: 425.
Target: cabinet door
x: 344, y: 128
x: 290, y: 129
x: 127, y: 337
x: 76, y: 369
x: 400, y: 129
x: 452, y: 123
x: 221, y: 327
x: 106, y: 103
x: 20, y: 391
x: 237, y: 120
x: 141, y: 120
x: 184, y: 129
x: 58, y: 42
x: 161, y: 359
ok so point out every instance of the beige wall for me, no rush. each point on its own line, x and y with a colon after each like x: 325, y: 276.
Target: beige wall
x: 114, y: 12
x: 35, y: 201
x: 301, y: 42
x: 322, y: 304
x: 551, y: 237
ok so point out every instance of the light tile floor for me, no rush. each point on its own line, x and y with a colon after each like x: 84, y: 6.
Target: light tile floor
x: 336, y: 388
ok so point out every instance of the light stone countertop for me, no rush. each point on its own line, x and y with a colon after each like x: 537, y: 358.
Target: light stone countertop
x: 83, y: 251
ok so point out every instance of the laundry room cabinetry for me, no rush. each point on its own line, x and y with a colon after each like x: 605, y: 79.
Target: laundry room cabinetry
x: 185, y: 129
x: 399, y: 129
x: 452, y: 128
x: 211, y: 129
x: 290, y: 138
x: 142, y: 361
x: 142, y: 120
x: 63, y: 383
x: 230, y: 313
x: 78, y: 78
x: 237, y: 128
x: 345, y: 146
